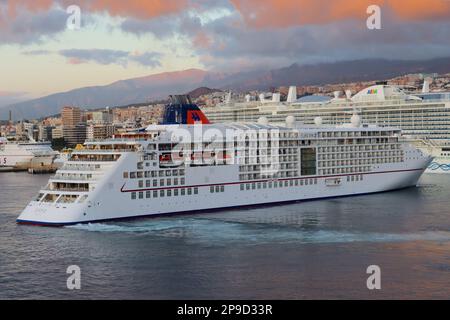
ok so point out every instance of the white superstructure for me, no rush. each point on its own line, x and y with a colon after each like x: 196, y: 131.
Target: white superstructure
x: 20, y: 154
x: 424, y: 118
x: 192, y: 167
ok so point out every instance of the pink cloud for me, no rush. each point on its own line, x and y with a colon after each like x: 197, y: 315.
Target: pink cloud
x: 143, y: 9
x: 286, y: 13
x: 75, y: 61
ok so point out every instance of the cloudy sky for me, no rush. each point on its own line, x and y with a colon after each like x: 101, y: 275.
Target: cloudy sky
x: 40, y: 54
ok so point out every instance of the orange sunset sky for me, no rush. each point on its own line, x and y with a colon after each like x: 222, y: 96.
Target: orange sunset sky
x: 119, y: 39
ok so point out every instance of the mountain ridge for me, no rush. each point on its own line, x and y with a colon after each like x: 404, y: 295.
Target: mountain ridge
x: 159, y: 86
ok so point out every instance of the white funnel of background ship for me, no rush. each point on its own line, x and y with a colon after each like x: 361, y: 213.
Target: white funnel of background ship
x: 336, y: 94
x: 426, y: 85
x: 228, y: 98
x: 348, y: 94
x: 292, y: 95
x: 276, y: 97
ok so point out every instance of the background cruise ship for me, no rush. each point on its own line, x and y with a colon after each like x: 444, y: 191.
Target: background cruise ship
x: 424, y: 118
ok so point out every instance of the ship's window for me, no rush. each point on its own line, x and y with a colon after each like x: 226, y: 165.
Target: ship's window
x: 183, y: 192
x: 182, y: 181
x: 83, y: 198
x: 211, y: 189
x: 50, y: 197
x: 189, y: 191
x: 169, y: 182
x: 153, y: 173
x: 140, y: 174
x: 242, y: 187
x: 147, y: 174
x: 315, y: 181
x: 175, y: 181
x: 168, y: 172
x: 147, y: 183
x: 141, y: 183
x: 308, y: 161
x: 141, y: 195
x: 195, y: 190
x: 270, y: 184
x: 161, y: 182
x: 125, y: 175
x: 259, y: 185
x: 174, y: 172
x: 133, y: 175
x: 155, y: 194
x: 155, y: 183
x: 67, y: 198
x: 147, y: 194
x: 286, y: 183
x: 265, y: 185
x: 161, y: 173
x: 181, y: 172
x: 217, y: 188
x: 296, y: 183
x: 161, y: 193
x: 169, y: 193
x: 222, y: 188
x: 306, y: 182
x: 133, y: 195
x: 253, y: 186
x: 280, y: 184
x: 247, y: 186
x: 175, y: 192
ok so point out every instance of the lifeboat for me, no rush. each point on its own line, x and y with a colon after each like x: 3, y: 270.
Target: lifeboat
x: 165, y: 161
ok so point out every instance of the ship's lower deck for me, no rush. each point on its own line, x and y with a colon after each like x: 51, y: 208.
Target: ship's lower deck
x: 128, y: 204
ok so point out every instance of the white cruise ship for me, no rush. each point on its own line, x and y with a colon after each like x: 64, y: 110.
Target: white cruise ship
x: 19, y: 155
x: 187, y: 164
x: 423, y: 118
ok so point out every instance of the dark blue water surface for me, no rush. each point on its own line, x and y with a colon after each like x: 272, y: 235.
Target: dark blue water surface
x: 308, y: 250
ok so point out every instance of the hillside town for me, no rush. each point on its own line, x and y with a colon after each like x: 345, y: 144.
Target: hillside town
x: 74, y: 125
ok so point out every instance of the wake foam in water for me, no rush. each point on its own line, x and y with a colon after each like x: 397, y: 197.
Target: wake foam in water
x: 224, y: 232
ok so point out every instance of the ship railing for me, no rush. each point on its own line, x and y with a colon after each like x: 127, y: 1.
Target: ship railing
x: 66, y: 189
x: 114, y: 141
x: 96, y: 151
x: 92, y: 160
x: 82, y: 168
x: 62, y: 177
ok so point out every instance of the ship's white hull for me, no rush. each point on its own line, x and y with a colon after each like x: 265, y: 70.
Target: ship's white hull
x: 20, y: 156
x: 7, y: 160
x: 114, y: 201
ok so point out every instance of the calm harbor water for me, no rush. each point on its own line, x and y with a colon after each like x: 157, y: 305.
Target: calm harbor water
x: 308, y: 250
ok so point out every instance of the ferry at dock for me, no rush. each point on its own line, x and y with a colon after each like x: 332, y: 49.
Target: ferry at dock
x: 187, y: 164
x: 21, y: 155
